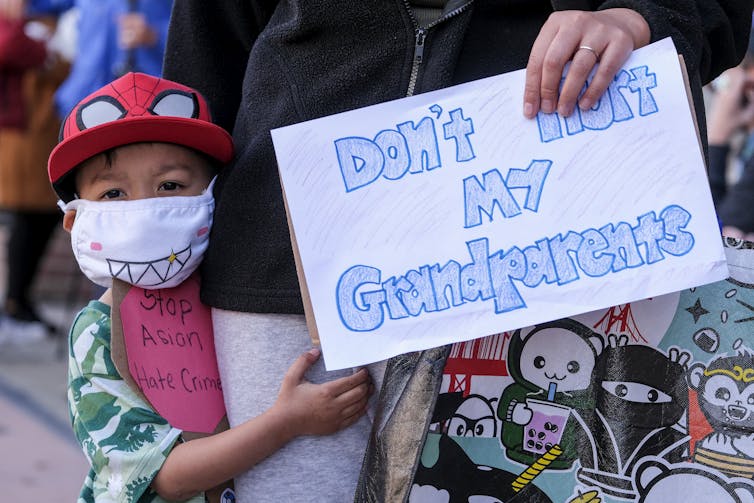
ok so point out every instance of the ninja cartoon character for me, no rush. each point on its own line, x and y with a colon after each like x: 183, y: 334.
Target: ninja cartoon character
x: 640, y: 411
x: 552, y: 367
x: 725, y: 392
x: 660, y: 482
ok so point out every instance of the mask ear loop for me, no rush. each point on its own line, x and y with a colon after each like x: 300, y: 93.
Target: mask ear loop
x: 70, y: 205
x: 211, y: 187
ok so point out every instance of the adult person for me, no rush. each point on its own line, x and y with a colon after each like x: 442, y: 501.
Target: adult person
x: 732, y: 115
x: 114, y: 37
x: 31, y: 69
x: 264, y: 64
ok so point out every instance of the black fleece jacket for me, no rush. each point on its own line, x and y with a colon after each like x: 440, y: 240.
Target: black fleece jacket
x: 266, y: 64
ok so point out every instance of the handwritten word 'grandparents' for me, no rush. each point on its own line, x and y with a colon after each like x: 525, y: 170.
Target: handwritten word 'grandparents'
x: 364, y: 300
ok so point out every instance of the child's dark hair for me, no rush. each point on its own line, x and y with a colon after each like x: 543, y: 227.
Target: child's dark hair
x: 71, y: 179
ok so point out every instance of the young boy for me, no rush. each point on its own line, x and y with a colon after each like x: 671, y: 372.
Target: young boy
x: 134, y: 168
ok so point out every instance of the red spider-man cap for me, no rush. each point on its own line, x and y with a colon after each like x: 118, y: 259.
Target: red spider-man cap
x: 134, y: 108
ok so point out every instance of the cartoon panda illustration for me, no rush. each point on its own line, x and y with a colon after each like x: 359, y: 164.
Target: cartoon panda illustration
x: 660, y: 482
x: 638, y: 413
x: 725, y: 391
x: 552, y: 367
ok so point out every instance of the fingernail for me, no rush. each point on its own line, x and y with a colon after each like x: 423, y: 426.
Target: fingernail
x: 585, y: 104
x: 314, y: 351
x: 547, y: 106
x: 565, y: 111
x: 528, y: 109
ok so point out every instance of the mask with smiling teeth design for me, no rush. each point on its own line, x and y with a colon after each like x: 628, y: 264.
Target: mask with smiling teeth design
x: 144, y: 226
x: 155, y: 272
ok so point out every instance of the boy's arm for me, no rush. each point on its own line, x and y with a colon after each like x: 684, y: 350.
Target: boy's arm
x: 302, y: 408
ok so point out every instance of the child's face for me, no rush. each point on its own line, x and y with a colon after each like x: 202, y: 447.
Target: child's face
x: 141, y: 171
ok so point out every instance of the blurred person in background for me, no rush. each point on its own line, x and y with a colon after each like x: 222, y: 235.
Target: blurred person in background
x: 731, y: 148
x: 114, y: 37
x: 31, y: 69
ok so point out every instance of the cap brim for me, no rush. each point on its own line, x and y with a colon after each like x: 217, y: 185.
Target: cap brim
x: 202, y: 136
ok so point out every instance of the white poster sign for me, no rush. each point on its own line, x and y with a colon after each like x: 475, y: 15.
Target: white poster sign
x: 448, y: 216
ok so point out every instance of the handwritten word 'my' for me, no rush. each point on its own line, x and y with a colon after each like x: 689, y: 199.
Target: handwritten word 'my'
x: 558, y: 259
x: 494, y: 191
x: 410, y: 148
x: 611, y: 108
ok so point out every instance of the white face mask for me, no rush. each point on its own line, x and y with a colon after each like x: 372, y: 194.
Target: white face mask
x: 150, y: 243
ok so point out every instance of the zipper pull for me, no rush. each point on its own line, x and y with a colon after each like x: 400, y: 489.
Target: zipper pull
x: 419, y: 46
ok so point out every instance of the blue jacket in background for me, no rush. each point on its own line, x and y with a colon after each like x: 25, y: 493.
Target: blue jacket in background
x: 99, y: 60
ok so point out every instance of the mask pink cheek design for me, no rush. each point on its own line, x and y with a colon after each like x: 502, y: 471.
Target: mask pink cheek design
x: 95, y: 246
x: 202, y: 231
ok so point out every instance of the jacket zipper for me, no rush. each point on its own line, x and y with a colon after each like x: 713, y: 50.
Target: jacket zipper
x: 420, y: 35
x: 418, y: 58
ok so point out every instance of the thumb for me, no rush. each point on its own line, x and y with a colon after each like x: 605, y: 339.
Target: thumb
x: 301, y: 365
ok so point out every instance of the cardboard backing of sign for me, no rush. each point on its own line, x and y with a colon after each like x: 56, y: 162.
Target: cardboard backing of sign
x: 311, y: 323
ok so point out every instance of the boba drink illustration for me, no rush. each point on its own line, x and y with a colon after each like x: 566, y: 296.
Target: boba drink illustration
x: 545, y: 429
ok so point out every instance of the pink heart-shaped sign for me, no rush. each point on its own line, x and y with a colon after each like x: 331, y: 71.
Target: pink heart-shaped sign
x: 171, y: 354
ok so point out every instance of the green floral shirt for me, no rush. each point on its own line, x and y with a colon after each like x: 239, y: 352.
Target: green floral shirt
x: 125, y: 441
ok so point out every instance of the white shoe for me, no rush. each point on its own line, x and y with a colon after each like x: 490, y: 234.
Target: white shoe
x: 18, y: 332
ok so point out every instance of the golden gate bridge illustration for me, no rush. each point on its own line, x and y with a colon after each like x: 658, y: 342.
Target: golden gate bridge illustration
x: 486, y: 356
x: 478, y: 357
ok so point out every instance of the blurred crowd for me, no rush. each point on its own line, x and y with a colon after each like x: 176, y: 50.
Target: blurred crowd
x: 730, y: 122
x: 53, y: 53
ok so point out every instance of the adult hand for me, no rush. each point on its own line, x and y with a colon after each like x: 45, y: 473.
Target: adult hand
x: 733, y: 106
x: 12, y: 9
x: 134, y: 31
x: 585, y: 38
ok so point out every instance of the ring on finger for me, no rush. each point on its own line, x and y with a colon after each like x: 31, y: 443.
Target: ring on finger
x: 590, y: 49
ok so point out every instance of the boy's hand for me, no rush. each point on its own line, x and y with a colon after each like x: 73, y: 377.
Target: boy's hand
x: 321, y: 409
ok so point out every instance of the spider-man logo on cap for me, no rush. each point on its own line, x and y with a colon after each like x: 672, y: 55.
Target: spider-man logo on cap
x: 134, y: 108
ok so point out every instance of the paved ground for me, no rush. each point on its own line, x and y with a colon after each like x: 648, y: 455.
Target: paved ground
x: 39, y: 458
